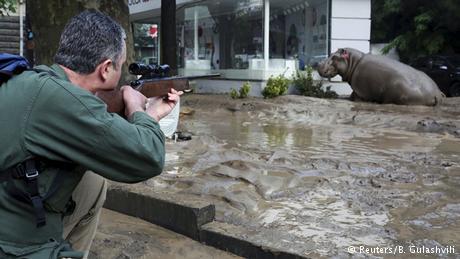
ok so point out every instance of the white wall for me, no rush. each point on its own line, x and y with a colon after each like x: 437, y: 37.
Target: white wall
x: 361, y: 45
x: 357, y: 29
x: 351, y: 24
x: 351, y: 8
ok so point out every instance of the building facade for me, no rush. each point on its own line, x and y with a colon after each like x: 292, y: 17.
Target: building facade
x: 12, y: 29
x: 252, y: 39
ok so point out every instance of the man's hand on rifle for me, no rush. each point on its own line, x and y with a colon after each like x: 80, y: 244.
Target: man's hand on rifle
x: 134, y: 100
x: 159, y: 107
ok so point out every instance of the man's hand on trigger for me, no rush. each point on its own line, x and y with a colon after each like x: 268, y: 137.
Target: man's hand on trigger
x: 134, y: 100
x: 159, y: 107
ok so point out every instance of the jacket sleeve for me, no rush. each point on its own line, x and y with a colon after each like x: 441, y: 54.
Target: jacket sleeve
x: 72, y: 125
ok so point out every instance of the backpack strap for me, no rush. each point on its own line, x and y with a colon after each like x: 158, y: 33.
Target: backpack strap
x: 30, y: 176
x: 29, y: 171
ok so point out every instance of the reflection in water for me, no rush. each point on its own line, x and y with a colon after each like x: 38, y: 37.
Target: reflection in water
x: 315, y: 176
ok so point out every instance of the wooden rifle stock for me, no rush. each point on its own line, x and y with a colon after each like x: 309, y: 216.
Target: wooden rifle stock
x: 148, y: 87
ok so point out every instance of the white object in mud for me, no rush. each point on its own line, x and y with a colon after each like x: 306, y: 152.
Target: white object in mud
x: 169, y: 123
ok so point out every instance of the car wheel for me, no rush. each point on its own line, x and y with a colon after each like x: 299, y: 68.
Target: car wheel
x: 454, y: 89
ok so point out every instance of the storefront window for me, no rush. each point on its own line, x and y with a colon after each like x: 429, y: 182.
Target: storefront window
x: 298, y: 30
x: 224, y: 34
x: 146, y: 42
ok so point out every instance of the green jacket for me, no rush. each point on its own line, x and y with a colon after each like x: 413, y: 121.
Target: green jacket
x: 46, y: 116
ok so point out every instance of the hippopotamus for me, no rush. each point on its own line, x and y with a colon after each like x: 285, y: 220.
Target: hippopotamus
x: 379, y: 79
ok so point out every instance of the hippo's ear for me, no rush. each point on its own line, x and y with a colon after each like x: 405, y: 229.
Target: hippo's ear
x: 343, y: 53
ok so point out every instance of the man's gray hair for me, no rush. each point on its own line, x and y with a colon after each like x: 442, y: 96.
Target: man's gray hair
x: 87, y: 40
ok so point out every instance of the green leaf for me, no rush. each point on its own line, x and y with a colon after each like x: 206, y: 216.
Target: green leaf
x: 7, y: 6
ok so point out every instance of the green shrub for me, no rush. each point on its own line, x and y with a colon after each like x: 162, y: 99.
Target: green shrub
x: 245, y: 89
x: 304, y: 83
x: 275, y: 86
x: 234, y: 94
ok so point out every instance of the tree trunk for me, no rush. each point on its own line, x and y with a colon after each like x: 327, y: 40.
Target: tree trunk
x: 168, y: 34
x: 48, y: 18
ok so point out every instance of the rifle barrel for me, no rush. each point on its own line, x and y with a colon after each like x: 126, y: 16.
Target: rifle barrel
x: 161, y: 86
x: 151, y: 87
x: 176, y: 78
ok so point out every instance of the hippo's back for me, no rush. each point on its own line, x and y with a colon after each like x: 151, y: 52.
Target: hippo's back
x: 398, y: 79
x: 389, y: 64
x: 399, y: 69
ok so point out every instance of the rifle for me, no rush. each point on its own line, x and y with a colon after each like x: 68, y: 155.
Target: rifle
x: 154, y: 81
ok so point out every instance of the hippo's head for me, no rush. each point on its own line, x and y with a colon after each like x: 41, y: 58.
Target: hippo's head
x: 337, y: 63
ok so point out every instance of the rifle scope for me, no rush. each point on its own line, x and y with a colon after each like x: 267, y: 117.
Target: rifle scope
x: 148, y: 70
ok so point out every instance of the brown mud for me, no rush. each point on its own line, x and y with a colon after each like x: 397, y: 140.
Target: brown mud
x: 317, y: 176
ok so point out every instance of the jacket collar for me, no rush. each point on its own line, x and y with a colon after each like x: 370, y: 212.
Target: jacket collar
x: 59, y: 72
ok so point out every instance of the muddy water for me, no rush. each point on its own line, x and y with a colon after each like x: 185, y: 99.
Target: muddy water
x: 318, y: 176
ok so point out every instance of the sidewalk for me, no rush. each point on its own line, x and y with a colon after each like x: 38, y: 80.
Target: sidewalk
x: 122, y: 236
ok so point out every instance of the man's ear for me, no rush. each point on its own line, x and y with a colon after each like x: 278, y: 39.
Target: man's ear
x: 104, y: 69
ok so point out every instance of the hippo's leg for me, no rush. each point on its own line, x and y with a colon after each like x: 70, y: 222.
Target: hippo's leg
x: 355, y: 98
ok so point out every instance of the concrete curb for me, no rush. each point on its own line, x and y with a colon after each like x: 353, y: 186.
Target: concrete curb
x: 190, y: 217
x: 225, y: 237
x: 182, y: 219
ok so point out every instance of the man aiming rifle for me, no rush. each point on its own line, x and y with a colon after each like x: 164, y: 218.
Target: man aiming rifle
x: 58, y: 142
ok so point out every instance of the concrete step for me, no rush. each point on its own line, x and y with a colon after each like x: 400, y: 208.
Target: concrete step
x: 182, y: 214
x: 244, y: 242
x: 122, y: 236
x: 191, y: 217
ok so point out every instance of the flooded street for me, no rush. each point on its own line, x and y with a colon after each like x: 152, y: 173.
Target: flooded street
x: 316, y: 176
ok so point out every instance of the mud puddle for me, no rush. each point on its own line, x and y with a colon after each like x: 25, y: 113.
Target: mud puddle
x: 319, y: 176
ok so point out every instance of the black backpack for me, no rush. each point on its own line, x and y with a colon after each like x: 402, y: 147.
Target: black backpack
x: 12, y: 65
